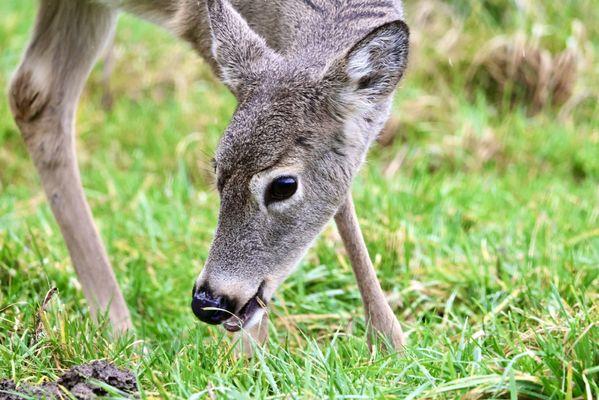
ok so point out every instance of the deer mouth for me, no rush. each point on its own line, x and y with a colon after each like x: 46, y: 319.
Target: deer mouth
x: 249, y: 314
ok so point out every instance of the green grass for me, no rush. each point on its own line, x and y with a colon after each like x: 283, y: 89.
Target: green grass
x: 486, y: 237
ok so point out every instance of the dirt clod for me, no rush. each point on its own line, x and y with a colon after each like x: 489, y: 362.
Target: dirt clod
x: 9, y: 391
x: 77, y: 381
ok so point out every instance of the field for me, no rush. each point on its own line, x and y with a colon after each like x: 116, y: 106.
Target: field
x: 480, y: 207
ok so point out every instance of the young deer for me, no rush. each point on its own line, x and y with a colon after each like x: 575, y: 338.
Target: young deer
x: 314, y: 81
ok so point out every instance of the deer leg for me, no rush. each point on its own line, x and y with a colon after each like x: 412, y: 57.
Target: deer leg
x: 380, y: 319
x: 256, y: 335
x: 67, y: 38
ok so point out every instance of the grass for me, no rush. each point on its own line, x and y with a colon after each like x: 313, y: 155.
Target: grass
x: 481, y: 219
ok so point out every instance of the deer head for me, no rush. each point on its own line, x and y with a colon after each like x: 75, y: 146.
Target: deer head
x: 287, y: 159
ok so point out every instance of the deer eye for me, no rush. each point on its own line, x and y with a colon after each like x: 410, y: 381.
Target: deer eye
x: 280, y: 189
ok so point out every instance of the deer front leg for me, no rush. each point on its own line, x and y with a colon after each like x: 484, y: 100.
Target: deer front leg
x: 257, y: 335
x: 380, y: 319
x: 43, y: 95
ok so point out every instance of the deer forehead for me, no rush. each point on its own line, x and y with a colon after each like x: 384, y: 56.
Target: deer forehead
x: 270, y: 129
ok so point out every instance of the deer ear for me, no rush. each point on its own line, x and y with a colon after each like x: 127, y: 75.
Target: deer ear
x: 239, y: 52
x: 371, y: 69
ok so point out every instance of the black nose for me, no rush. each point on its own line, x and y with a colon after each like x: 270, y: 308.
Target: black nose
x: 209, y: 308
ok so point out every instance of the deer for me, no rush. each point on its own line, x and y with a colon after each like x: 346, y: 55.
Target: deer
x: 314, y: 82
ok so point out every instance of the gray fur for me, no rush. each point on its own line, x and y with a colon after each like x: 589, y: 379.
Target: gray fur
x: 314, y: 80
x: 311, y: 100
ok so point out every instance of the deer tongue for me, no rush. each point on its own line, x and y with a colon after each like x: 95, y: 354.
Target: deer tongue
x: 238, y: 321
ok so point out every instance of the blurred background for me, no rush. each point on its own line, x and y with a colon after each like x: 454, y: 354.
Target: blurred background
x: 479, y: 203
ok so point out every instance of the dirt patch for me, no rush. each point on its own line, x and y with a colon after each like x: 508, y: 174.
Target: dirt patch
x: 78, y: 382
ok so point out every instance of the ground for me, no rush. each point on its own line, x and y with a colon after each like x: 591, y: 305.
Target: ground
x: 480, y: 208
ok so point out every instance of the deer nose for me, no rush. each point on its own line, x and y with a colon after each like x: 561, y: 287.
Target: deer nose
x: 210, y: 308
